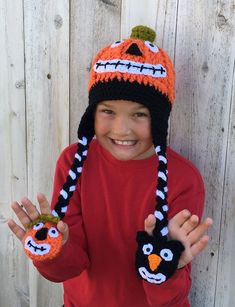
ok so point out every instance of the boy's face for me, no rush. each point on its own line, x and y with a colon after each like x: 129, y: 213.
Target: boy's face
x: 124, y: 129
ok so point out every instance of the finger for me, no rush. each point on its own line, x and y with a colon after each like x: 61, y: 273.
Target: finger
x: 190, y: 224
x: 199, y: 246
x: 64, y: 229
x: 20, y: 213
x: 31, y: 210
x: 180, y: 218
x: 149, y: 224
x: 43, y: 203
x: 16, y: 229
x: 200, y: 230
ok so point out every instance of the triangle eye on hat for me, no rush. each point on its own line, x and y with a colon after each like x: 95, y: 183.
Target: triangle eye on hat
x: 131, y: 69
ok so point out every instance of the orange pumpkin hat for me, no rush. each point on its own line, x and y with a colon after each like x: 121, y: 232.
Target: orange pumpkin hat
x: 132, y: 69
x: 134, y: 61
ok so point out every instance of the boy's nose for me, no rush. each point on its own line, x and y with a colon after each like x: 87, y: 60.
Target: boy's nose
x: 121, y: 127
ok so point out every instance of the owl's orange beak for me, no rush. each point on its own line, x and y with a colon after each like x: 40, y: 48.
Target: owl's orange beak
x: 154, y: 261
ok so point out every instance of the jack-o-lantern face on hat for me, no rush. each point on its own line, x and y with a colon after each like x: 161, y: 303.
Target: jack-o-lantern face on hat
x: 43, y: 241
x: 135, y: 60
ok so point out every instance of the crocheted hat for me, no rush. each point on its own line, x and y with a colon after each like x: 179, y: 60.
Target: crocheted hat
x: 134, y: 69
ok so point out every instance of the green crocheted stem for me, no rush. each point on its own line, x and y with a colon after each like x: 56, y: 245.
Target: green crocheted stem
x: 144, y: 33
x: 44, y: 218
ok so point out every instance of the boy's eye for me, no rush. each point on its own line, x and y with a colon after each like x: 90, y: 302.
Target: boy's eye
x: 141, y: 114
x: 106, y: 111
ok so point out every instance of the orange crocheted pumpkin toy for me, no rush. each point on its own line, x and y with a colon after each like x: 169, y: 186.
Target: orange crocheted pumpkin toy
x: 43, y: 241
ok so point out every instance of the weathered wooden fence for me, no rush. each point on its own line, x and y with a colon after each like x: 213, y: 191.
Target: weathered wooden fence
x: 46, y: 48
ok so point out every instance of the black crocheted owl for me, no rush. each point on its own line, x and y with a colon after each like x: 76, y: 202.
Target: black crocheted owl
x: 156, y: 260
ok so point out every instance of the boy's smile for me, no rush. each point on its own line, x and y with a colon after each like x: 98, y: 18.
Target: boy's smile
x: 124, y: 129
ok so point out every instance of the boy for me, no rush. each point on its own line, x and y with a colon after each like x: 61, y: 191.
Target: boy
x: 131, y: 92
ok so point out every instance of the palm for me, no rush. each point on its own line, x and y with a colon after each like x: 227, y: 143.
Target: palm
x: 27, y: 212
x: 187, y: 229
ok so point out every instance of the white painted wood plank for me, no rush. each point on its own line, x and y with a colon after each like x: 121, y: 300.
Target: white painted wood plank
x: 226, y: 269
x: 47, y: 99
x: 13, y: 181
x: 202, y: 128
x: 94, y: 24
x: 204, y: 64
x: 137, y: 12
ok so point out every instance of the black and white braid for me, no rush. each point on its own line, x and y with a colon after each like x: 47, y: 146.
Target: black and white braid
x: 85, y: 135
x: 161, y: 208
x: 72, y: 178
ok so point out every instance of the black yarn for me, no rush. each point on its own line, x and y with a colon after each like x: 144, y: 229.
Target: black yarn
x: 119, y: 89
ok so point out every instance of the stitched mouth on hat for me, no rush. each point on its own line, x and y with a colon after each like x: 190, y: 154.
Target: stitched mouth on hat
x: 131, y: 67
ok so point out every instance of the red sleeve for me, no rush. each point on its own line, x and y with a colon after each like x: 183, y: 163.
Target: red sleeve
x: 174, y: 292
x: 73, y: 258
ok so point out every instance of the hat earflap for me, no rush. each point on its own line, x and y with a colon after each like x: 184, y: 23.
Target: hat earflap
x: 72, y: 178
x: 85, y: 135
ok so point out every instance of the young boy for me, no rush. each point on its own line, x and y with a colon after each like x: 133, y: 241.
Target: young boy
x: 107, y: 188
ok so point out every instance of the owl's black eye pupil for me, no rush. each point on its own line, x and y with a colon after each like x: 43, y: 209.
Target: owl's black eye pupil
x: 117, y: 42
x: 165, y: 255
x: 37, y: 224
x: 151, y: 45
x: 53, y: 231
x: 148, y: 250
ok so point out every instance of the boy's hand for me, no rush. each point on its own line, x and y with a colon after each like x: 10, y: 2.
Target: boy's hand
x: 185, y: 228
x: 31, y: 213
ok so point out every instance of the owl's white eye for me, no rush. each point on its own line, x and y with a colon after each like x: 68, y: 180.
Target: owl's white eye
x: 151, y: 46
x: 53, y: 232
x: 166, y: 254
x: 38, y: 226
x: 147, y: 249
x: 117, y: 43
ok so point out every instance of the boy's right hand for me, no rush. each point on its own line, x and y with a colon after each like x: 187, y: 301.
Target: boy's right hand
x: 27, y: 212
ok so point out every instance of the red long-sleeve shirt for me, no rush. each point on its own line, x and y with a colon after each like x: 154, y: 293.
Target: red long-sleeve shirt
x: 110, y: 204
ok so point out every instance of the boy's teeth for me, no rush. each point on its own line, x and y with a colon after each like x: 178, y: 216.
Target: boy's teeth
x: 124, y: 142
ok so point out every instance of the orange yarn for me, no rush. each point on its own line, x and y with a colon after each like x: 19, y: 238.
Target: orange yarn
x: 166, y: 85
x: 154, y: 261
x: 43, y: 241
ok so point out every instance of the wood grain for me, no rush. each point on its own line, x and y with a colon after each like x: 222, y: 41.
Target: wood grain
x: 13, y: 179
x: 94, y: 24
x: 47, y: 100
x: 46, y: 50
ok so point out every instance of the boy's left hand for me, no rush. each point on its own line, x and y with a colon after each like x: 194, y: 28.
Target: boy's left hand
x: 187, y: 229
